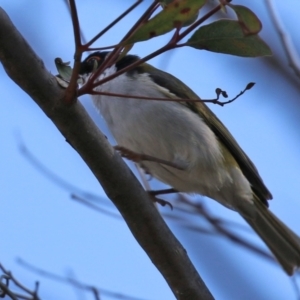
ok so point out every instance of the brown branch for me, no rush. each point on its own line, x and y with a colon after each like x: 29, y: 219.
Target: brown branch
x: 219, y: 92
x: 95, y: 207
x: 83, y: 39
x: 75, y: 21
x: 113, y: 23
x: 142, y: 218
x: 70, y: 93
x: 172, y: 44
x: 113, y: 56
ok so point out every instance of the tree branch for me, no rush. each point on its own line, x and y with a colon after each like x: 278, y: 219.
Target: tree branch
x: 286, y: 41
x: 74, y: 282
x: 28, y: 71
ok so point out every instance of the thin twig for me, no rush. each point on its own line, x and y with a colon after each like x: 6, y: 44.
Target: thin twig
x: 172, y: 44
x: 95, y: 207
x: 85, y: 199
x: 103, y: 48
x: 57, y: 180
x: 214, y: 101
x: 115, y: 53
x: 70, y: 92
x: 125, y: 13
x: 83, y: 39
x: 4, y: 287
x: 75, y: 21
x: 286, y: 41
x: 73, y: 282
x: 296, y: 287
x: 223, y: 231
x: 6, y: 291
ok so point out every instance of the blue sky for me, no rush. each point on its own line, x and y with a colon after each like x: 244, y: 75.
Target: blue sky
x: 42, y: 225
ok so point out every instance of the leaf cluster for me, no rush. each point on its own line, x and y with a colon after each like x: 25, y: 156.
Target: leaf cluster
x: 238, y: 37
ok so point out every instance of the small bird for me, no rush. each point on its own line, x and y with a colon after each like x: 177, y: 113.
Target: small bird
x: 201, y: 155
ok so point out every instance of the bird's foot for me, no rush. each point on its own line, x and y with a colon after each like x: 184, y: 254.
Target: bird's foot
x: 138, y: 158
x: 162, y: 202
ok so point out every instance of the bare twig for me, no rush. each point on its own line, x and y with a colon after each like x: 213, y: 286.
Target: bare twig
x: 103, y: 31
x: 218, y: 226
x: 172, y: 44
x: 296, y: 287
x: 5, y: 290
x: 75, y: 21
x: 88, y: 200
x: 81, y: 33
x: 79, y: 48
x: 95, y: 207
x: 286, y: 41
x: 70, y: 93
x: 115, y: 53
x: 216, y: 100
x: 78, y: 284
x: 57, y: 180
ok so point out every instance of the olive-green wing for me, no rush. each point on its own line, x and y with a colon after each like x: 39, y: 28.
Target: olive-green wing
x: 249, y: 170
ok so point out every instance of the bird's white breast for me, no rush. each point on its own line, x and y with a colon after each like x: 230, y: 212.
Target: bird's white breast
x: 169, y: 131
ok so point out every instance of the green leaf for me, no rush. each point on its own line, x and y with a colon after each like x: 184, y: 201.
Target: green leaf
x: 227, y: 36
x: 248, y: 19
x: 64, y: 84
x: 174, y: 15
x: 163, y: 3
x: 191, y: 20
x: 125, y: 50
x: 63, y: 69
x: 65, y: 73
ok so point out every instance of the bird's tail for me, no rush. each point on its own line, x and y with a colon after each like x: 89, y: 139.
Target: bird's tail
x: 283, y: 242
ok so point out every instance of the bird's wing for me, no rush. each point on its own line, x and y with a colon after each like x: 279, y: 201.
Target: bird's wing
x: 184, y: 92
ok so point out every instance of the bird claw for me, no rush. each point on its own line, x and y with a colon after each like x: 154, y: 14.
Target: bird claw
x: 161, y: 202
x: 137, y: 158
x: 133, y: 156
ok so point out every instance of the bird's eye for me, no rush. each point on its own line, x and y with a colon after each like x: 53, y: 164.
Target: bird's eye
x: 94, y: 62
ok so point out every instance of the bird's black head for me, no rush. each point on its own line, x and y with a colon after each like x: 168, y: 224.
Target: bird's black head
x: 94, y: 61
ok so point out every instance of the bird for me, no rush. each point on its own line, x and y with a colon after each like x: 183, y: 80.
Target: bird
x: 195, y: 152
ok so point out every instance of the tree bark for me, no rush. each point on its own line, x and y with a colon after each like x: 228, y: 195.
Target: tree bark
x: 27, y: 70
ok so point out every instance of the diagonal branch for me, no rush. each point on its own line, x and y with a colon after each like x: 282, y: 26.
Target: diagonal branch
x: 73, y: 282
x: 172, y: 44
x: 125, y: 13
x: 286, y: 42
x: 142, y: 218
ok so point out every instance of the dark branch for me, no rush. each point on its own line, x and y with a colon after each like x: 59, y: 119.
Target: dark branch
x: 172, y: 44
x: 78, y: 284
x: 219, y: 93
x: 6, y: 291
x: 145, y: 223
x: 125, y: 13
